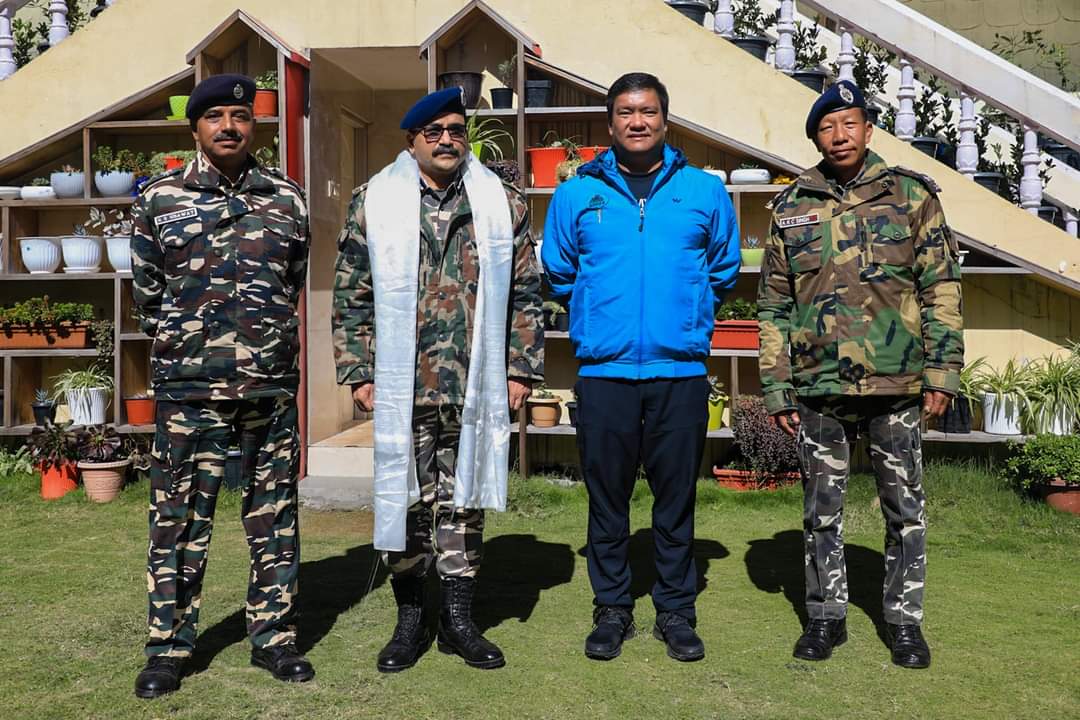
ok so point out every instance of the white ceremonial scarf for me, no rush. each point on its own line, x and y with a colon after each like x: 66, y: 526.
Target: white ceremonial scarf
x: 392, y: 213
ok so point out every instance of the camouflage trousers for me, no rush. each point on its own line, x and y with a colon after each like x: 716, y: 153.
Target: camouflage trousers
x: 435, y: 531
x: 829, y: 426
x: 187, y: 470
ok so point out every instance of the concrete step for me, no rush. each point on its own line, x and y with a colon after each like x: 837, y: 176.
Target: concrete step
x: 322, y: 492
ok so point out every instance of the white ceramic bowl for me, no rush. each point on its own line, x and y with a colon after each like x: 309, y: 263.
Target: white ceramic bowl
x: 67, y: 185
x: 118, y: 248
x: 82, y: 253
x: 750, y: 176
x: 40, y: 255
x: 37, y: 192
x: 718, y: 173
x: 114, y: 184
x: 10, y: 192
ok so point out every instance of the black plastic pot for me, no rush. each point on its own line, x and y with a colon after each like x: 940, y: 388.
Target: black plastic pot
x: 757, y: 46
x: 813, y: 79
x: 469, y: 81
x: 928, y: 145
x: 502, y: 98
x: 957, y: 417
x: 693, y: 9
x: 1062, y: 153
x: 538, y: 93
x: 1048, y: 213
x: 43, y: 413
x: 571, y: 409
x: 992, y: 181
x: 562, y: 322
x: 873, y: 114
x: 946, y: 154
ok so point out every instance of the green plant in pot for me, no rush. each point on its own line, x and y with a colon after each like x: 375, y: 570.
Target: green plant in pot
x: 484, y: 137
x: 103, y: 461
x: 765, y: 456
x: 555, y: 316
x: 1049, y: 466
x: 39, y: 323
x: 544, y: 408
x: 751, y: 26
x: 809, y: 55
x: 1053, y: 395
x: 717, y: 402
x: 54, y: 450
x: 545, y: 160
x: 86, y: 392
x: 1005, y: 396
x: 752, y: 254
x: 958, y: 415
x: 16, y: 462
x: 502, y: 98
x: 266, y: 94
x: 43, y: 407
x: 931, y: 112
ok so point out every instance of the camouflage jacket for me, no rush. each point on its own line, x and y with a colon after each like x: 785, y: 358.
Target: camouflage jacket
x: 218, y: 271
x: 860, y: 289
x: 446, y: 298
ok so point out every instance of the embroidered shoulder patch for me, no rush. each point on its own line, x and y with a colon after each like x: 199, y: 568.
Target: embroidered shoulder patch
x: 175, y: 216
x: 799, y: 220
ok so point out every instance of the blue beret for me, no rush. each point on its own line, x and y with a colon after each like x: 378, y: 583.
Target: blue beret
x: 220, y: 90
x: 841, y: 96
x: 451, y: 99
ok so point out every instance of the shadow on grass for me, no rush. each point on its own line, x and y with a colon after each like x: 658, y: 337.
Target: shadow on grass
x: 643, y: 563
x: 516, y: 569
x: 776, y: 565
x: 330, y: 587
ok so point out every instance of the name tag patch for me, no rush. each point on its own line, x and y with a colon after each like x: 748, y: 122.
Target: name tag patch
x: 175, y: 216
x: 799, y: 220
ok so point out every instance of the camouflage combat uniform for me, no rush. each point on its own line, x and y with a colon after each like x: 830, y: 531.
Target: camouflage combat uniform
x: 218, y: 269
x: 860, y: 311
x: 446, y: 305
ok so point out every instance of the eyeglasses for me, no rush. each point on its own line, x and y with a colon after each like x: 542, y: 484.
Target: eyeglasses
x: 434, y: 133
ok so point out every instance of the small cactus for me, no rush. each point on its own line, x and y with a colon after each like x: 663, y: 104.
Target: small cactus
x: 41, y: 397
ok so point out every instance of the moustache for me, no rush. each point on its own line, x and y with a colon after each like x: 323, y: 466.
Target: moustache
x: 446, y: 151
x: 235, y: 137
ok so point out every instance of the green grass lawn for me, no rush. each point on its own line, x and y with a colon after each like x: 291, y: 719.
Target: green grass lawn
x: 1002, y: 616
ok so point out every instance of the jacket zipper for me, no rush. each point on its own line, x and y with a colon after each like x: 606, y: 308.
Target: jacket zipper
x: 641, y: 279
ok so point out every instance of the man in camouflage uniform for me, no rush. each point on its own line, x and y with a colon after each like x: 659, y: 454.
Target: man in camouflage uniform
x: 860, y: 311
x: 220, y: 256
x: 437, y: 533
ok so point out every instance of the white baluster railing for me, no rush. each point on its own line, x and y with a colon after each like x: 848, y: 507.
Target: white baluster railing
x: 785, y: 44
x: 1071, y: 221
x: 7, y: 43
x: 905, y: 116
x: 845, y: 60
x: 724, y: 19
x: 1030, y: 183
x: 58, y: 27
x: 58, y: 31
x: 967, y: 150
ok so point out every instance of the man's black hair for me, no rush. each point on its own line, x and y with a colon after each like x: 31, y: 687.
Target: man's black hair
x: 631, y: 82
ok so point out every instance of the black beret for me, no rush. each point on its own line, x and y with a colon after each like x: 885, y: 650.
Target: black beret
x: 451, y: 99
x: 220, y: 90
x: 841, y: 96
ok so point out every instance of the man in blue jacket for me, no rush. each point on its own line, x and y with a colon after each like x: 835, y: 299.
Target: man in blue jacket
x: 643, y: 246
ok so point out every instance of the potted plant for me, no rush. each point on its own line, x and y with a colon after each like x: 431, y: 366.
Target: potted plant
x: 103, y: 462
x: 43, y: 407
x: 82, y: 251
x: 508, y: 170
x: 139, y: 409
x: 1053, y: 395
x: 571, y: 410
x: 54, y: 451
x: 484, y: 136
x: 736, y: 326
x: 752, y: 255
x: 67, y: 182
x: 167, y: 161
x: 751, y: 24
x: 766, y: 457
x: 539, y: 92
x: 931, y: 110
x: 38, y: 189
x: 544, y: 408
x: 555, y: 316
x: 266, y: 95
x: 809, y: 55
x: 750, y: 173
x: 40, y: 255
x: 115, y: 225
x: 588, y: 153
x: 957, y: 418
x: 502, y: 98
x: 871, y: 74
x: 544, y: 160
x: 86, y: 393
x: 470, y: 83
x: 1005, y: 397
x: 567, y: 169
x: 37, y: 324
x: 177, y: 107
x: 115, y: 173
x: 716, y: 172
x: 1048, y: 465
x: 693, y: 9
x: 717, y: 401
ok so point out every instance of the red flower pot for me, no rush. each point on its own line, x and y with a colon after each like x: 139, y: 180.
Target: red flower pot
x: 57, y: 481
x: 266, y: 104
x: 172, y: 162
x: 139, y: 411
x: 743, y: 480
x: 589, y: 153
x: 1062, y: 496
x: 735, y: 335
x: 542, y: 162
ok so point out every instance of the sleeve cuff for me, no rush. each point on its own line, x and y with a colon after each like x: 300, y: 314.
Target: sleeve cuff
x: 947, y: 381
x: 523, y: 370
x: 355, y: 374
x: 777, y: 401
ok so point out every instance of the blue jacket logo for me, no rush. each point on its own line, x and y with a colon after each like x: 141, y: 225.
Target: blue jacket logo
x: 597, y: 202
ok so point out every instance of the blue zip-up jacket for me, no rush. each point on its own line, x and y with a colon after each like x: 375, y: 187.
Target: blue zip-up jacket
x: 643, y: 279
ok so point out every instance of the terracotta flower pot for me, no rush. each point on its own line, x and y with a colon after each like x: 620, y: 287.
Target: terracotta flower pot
x: 589, y: 153
x: 743, y: 480
x: 63, y: 335
x: 139, y: 411
x: 543, y: 162
x: 57, y: 481
x: 544, y: 412
x: 103, y: 481
x: 172, y: 162
x: 1062, y: 496
x: 266, y: 104
x: 735, y: 335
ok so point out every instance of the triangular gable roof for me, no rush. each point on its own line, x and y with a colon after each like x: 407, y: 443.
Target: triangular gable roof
x: 225, y: 37
x: 479, y: 7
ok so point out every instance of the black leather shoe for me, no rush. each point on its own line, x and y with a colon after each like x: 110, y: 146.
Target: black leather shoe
x: 160, y: 676
x: 458, y: 634
x: 284, y: 662
x: 909, y: 648
x: 677, y: 632
x: 410, y: 635
x: 819, y: 638
x: 613, y: 625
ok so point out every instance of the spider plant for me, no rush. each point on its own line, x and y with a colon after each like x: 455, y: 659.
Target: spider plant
x: 1009, y: 387
x: 484, y: 138
x: 1054, y: 395
x: 970, y: 386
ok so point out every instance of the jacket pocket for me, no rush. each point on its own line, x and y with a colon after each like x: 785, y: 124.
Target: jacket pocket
x: 891, y: 246
x: 804, y: 248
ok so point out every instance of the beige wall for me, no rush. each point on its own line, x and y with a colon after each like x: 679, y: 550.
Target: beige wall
x: 980, y: 20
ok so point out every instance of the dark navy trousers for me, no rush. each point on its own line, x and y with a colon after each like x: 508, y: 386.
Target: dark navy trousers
x: 659, y: 425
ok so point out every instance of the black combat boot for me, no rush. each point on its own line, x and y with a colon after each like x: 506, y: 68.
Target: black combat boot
x: 458, y: 634
x: 160, y: 676
x: 284, y: 662
x: 612, y: 626
x: 677, y: 632
x: 819, y: 638
x: 909, y: 648
x: 410, y: 635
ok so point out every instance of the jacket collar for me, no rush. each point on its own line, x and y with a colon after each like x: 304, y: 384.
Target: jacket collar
x: 820, y: 178
x: 201, y: 174
x: 605, y: 167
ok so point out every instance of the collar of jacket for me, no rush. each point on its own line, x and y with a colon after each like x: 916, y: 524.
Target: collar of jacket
x: 605, y: 167
x: 202, y: 175
x: 817, y: 179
